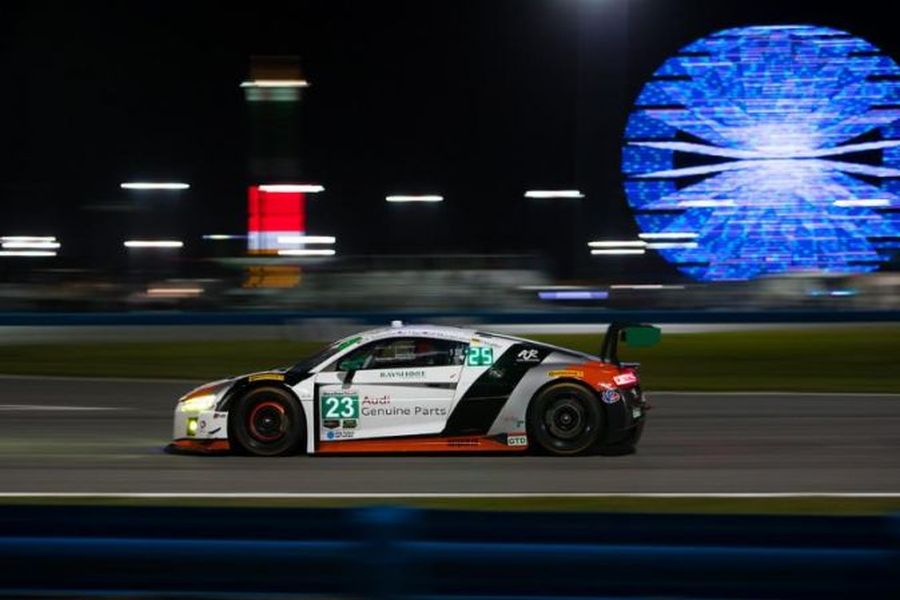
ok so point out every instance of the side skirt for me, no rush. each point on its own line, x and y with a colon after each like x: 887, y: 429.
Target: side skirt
x: 421, y: 444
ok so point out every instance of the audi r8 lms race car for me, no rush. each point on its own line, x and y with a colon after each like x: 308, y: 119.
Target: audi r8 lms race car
x: 426, y: 389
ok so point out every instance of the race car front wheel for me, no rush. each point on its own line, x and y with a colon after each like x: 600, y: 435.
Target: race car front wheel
x: 268, y: 421
x: 565, y: 418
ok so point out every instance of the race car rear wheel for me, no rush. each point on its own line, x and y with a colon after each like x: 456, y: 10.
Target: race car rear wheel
x: 268, y: 421
x: 565, y: 418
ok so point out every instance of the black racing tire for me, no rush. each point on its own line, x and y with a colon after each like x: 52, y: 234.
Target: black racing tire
x: 267, y: 421
x: 565, y: 418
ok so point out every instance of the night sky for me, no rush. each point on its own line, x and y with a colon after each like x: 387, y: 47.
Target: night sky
x: 477, y: 101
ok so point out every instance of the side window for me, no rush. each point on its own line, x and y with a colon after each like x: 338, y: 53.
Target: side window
x: 398, y: 353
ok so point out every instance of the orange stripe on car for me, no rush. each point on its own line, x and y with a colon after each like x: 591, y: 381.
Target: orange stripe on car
x: 421, y: 444
x: 203, y: 446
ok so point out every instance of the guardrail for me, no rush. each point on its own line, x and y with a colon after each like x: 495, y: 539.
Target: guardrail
x: 565, y: 316
x: 394, y: 552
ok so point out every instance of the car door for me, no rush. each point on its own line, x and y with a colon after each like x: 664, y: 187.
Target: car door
x: 396, y: 386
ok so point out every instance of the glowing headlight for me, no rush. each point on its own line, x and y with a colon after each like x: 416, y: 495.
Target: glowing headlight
x: 197, y: 404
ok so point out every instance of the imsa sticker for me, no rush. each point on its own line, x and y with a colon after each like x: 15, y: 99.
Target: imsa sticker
x: 611, y: 396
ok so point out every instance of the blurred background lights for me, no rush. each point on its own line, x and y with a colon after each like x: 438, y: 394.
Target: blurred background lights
x: 306, y: 252
x: 750, y: 139
x: 154, y: 244
x: 306, y: 239
x: 29, y: 246
x: 553, y: 194
x: 614, y: 251
x: 415, y: 198
x: 275, y: 83
x: 151, y: 185
x: 305, y: 188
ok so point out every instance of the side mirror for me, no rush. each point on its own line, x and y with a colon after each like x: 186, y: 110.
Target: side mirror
x: 641, y: 336
x: 350, y: 366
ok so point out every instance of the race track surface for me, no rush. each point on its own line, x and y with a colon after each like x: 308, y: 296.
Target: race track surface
x: 90, y: 436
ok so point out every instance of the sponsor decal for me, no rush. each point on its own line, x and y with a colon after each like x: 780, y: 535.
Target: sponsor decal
x: 267, y: 377
x: 349, y: 423
x: 339, y: 435
x: 331, y: 423
x: 611, y: 396
x: 385, y: 411
x: 349, y: 342
x: 340, y: 405
x: 220, y: 415
x: 376, y: 400
x: 402, y: 374
x: 625, y: 379
x: 528, y: 355
x: 497, y: 373
x: 479, y: 356
x: 517, y: 440
x: 566, y: 373
x: 404, y: 411
x: 202, y: 425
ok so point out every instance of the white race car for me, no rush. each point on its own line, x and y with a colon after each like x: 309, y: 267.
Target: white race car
x: 425, y: 389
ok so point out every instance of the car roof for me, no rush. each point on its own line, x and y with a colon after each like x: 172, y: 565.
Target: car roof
x: 425, y: 330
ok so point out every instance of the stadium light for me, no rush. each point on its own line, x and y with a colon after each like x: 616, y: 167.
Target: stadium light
x: 414, y: 198
x: 223, y: 236
x: 618, y: 244
x: 554, y: 194
x: 28, y: 238
x: 153, y: 185
x: 295, y: 188
x: 31, y: 245
x: 863, y: 202
x: 305, y: 252
x: 618, y: 251
x: 174, y: 292
x: 306, y: 239
x: 669, y: 235
x: 33, y: 253
x: 153, y: 244
x: 275, y: 83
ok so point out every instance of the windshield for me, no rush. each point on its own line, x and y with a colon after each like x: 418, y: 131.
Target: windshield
x: 307, y: 363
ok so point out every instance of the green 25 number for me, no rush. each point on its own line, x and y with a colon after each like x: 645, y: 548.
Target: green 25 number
x: 479, y: 356
x: 340, y: 407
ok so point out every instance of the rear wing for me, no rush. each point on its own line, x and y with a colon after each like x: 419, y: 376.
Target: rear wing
x: 634, y: 334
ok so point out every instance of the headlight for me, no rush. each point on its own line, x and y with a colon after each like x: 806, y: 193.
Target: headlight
x: 197, y: 404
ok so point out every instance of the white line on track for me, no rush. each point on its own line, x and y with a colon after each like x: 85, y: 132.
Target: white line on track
x: 892, y: 395
x: 45, y: 407
x: 399, y: 495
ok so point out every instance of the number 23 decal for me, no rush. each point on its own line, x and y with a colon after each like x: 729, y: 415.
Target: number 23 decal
x: 340, y: 406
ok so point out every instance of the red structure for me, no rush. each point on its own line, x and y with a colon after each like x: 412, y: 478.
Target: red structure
x: 273, y: 214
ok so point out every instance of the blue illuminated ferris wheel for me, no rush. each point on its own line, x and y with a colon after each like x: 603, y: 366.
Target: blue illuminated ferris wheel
x: 762, y: 150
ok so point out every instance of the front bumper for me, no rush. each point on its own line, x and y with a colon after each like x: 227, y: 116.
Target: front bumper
x: 200, y: 430
x: 189, y: 446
